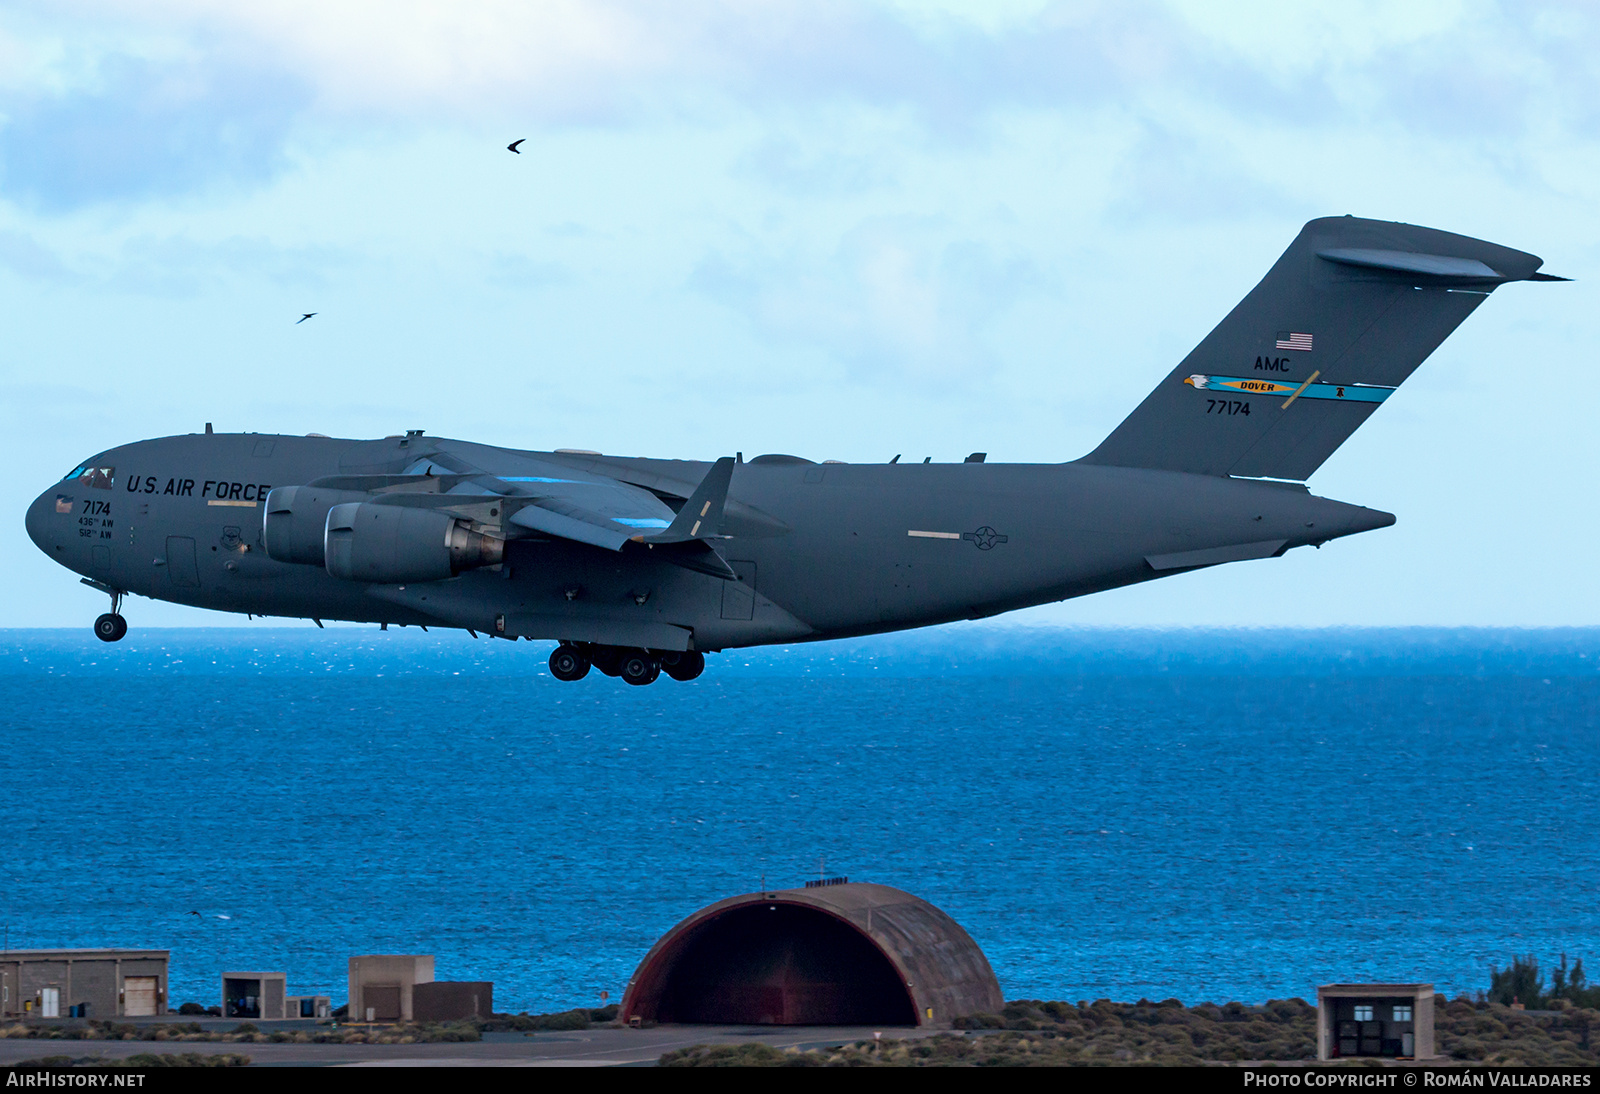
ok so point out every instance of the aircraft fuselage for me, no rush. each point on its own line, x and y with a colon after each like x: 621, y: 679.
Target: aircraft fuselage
x: 820, y: 550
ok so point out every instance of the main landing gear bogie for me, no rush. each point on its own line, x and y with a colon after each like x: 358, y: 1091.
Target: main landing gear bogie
x: 683, y: 666
x: 638, y: 667
x: 568, y: 662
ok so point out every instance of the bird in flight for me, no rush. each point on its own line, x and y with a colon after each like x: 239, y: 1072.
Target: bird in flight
x: 304, y: 317
x: 512, y: 147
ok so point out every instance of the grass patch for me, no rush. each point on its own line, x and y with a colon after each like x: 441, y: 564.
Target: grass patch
x: 144, y: 1059
x: 249, y: 1033
x: 1032, y: 1032
x: 580, y: 1018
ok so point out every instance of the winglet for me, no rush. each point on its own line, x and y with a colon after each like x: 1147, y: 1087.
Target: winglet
x: 701, y: 515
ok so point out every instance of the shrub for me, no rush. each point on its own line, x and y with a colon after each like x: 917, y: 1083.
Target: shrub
x: 980, y: 1021
x: 1521, y: 983
x: 753, y: 1054
x: 580, y: 1018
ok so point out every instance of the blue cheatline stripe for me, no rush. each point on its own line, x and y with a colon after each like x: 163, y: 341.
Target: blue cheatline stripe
x: 530, y: 478
x: 1244, y: 385
x: 642, y: 522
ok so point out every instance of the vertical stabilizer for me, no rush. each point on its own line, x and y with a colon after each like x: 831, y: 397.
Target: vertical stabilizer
x: 1339, y: 322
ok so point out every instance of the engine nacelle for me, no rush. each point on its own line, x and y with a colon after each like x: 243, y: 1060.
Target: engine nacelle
x: 296, y: 521
x: 396, y: 543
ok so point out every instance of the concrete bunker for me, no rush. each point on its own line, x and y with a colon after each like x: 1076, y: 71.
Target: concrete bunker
x: 833, y: 953
x: 1394, y: 1020
x: 254, y: 995
x: 96, y: 983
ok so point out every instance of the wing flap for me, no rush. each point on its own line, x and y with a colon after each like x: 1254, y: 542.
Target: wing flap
x: 536, y: 518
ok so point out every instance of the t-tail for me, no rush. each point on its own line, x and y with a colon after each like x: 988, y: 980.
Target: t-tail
x: 1339, y: 322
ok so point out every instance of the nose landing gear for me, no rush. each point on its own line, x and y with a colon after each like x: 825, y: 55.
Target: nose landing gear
x: 110, y: 627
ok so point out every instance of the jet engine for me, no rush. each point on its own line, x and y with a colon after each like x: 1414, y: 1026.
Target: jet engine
x: 296, y: 521
x: 395, y: 543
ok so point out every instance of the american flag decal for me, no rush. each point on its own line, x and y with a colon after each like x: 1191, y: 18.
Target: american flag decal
x: 1292, y: 340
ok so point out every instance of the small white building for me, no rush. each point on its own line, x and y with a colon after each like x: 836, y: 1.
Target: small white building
x: 307, y: 1006
x: 381, y: 985
x: 1383, y: 1020
x: 254, y: 995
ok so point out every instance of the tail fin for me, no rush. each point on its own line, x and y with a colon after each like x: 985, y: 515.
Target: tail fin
x: 1348, y: 312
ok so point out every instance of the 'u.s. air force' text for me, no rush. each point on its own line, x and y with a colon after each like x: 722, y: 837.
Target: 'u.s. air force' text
x: 210, y: 488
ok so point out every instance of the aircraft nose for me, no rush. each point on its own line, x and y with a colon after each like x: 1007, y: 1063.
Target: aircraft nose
x: 38, y: 519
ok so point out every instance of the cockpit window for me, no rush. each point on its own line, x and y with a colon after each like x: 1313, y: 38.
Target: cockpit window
x: 96, y: 478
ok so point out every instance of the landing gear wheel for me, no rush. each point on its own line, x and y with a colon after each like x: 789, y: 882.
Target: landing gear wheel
x: 639, y: 668
x: 568, y: 663
x: 684, y: 666
x: 110, y: 627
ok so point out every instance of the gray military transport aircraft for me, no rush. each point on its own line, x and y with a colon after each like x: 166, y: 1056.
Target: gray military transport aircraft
x: 639, y: 566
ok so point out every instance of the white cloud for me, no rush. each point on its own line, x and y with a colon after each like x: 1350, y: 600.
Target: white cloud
x: 110, y: 98
x: 899, y: 298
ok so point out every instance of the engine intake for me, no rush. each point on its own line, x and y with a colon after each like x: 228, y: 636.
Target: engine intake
x: 395, y: 543
x: 296, y: 521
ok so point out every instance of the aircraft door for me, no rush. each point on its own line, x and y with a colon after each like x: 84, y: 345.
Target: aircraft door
x: 181, y: 566
x: 739, y: 597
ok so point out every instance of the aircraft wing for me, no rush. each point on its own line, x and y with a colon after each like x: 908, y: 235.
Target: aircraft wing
x: 566, y: 503
x: 605, y: 513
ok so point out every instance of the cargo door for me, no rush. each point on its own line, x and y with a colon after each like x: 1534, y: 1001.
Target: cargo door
x: 139, y: 994
x: 382, y: 1002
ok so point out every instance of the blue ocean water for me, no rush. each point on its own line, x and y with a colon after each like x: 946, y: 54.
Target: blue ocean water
x: 1201, y: 814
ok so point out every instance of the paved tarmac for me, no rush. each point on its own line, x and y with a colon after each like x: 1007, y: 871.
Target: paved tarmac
x: 600, y: 1047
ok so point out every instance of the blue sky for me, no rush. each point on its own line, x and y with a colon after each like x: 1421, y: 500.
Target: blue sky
x: 843, y: 230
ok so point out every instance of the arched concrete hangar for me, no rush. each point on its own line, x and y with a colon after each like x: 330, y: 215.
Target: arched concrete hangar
x: 830, y: 954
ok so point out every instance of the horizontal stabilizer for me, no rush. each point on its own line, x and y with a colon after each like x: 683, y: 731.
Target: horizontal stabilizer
x: 1439, y: 268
